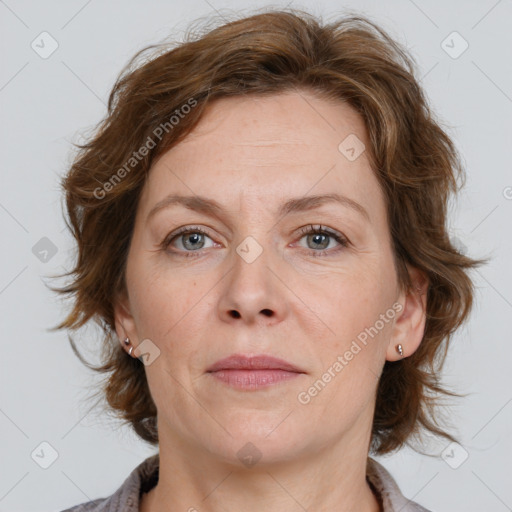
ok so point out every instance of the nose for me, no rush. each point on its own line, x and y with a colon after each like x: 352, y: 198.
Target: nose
x: 253, y: 292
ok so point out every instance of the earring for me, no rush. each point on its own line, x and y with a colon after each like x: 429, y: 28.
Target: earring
x: 399, y: 349
x: 126, y: 341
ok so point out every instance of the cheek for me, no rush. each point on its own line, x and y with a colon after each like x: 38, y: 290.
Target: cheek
x: 357, y: 314
x: 352, y: 300
x: 163, y: 300
x: 345, y: 380
x: 172, y: 311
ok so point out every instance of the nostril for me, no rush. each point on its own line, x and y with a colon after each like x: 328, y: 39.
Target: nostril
x: 266, y: 312
x: 234, y: 314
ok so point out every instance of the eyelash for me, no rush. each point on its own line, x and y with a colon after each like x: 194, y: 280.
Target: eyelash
x: 312, y: 230
x: 182, y: 231
x: 308, y: 230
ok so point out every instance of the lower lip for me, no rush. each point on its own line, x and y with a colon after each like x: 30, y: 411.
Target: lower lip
x: 253, y: 379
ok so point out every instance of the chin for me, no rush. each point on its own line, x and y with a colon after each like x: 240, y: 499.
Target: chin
x: 260, y: 441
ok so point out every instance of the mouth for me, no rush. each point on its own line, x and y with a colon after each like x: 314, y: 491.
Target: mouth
x: 256, y: 372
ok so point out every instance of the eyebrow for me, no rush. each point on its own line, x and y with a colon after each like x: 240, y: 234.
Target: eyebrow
x: 213, y: 208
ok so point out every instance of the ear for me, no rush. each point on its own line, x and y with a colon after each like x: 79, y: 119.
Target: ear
x: 124, y: 321
x: 410, y: 322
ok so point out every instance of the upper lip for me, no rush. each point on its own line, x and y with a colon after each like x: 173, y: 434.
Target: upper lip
x: 259, y: 362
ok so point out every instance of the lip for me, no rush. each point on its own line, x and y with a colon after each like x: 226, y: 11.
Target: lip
x: 253, y: 379
x: 260, y: 363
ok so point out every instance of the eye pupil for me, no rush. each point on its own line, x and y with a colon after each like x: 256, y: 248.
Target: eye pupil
x: 315, y: 237
x: 197, y: 237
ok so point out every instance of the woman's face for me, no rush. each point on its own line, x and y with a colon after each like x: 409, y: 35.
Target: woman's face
x: 248, y: 278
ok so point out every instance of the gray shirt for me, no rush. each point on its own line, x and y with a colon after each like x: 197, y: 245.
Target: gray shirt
x: 145, y: 476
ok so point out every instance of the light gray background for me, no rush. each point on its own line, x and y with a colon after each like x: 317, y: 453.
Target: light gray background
x: 48, y: 103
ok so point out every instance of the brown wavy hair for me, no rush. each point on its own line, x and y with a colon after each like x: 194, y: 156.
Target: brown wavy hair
x: 351, y: 60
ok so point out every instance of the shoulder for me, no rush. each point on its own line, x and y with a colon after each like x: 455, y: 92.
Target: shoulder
x: 392, y: 498
x: 126, y: 498
x: 90, y: 506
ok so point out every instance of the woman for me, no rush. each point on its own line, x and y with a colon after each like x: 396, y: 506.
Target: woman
x: 261, y: 230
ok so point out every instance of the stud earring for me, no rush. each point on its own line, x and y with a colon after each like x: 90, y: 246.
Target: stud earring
x: 399, y: 349
x: 127, y: 342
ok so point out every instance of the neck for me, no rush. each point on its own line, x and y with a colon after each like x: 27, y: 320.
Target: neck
x: 332, y: 478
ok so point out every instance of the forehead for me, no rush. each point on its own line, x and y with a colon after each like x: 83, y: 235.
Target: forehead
x: 254, y: 148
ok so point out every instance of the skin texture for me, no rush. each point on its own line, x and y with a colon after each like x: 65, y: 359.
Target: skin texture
x: 251, y: 154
